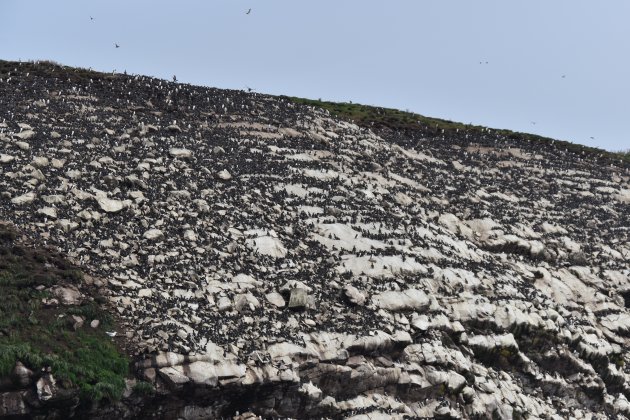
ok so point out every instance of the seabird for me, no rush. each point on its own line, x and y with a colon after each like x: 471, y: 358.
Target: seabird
x: 91, y: 18
x: 117, y: 46
x: 111, y: 334
x: 248, y: 12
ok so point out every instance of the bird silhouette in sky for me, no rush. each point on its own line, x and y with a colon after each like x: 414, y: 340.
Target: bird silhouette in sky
x: 564, y: 76
x: 248, y: 12
x: 117, y: 46
x: 91, y: 18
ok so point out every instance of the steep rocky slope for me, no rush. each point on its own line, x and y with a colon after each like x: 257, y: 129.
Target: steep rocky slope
x: 265, y: 256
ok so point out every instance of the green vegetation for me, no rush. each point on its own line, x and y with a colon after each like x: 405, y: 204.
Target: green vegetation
x: 143, y: 388
x: 44, y: 336
x: 377, y: 117
x: 618, y: 360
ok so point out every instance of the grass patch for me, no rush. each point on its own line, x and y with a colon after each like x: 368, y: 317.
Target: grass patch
x: 143, y: 388
x: 40, y: 336
x: 377, y: 117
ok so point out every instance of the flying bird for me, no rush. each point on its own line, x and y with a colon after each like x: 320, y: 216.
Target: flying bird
x: 117, y: 46
x: 249, y: 89
x: 248, y: 12
x: 91, y: 18
x: 564, y: 76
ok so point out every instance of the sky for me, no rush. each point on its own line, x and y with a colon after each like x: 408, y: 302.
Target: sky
x: 558, y: 68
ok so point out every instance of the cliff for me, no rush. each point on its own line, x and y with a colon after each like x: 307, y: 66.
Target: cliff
x: 261, y: 255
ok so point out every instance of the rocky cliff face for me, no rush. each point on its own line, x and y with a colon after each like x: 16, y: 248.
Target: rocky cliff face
x: 266, y: 257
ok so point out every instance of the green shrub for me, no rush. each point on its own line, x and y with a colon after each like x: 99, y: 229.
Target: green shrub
x: 143, y: 388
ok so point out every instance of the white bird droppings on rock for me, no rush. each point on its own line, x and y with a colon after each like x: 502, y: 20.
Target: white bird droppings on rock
x: 24, y: 199
x: 180, y: 153
x: 153, y: 234
x: 109, y: 205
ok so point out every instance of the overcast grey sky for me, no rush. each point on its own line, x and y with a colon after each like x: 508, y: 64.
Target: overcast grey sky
x: 558, y: 68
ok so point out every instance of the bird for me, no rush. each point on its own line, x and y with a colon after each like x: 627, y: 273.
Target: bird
x: 564, y: 76
x: 174, y: 78
x: 249, y: 89
x: 91, y: 18
x: 117, y: 46
x: 111, y: 334
x: 248, y: 12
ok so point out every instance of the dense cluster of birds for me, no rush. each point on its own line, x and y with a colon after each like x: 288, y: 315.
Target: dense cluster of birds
x: 308, y: 199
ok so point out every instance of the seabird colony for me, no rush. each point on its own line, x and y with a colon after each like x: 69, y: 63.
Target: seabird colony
x: 410, y: 272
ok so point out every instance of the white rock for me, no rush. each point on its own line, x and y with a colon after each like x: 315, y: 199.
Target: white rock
x: 224, y: 175
x: 311, y: 391
x: 110, y: 206
x: 48, y: 211
x: 268, y: 245
x: 58, y: 163
x: 46, y: 387
x: 40, y: 161
x: 201, y: 373
x: 224, y: 303
x: 24, y: 198
x: 275, y: 299
x: 173, y: 376
x: 68, y: 295
x: 153, y: 234
x: 145, y: 293
x: 354, y: 295
x: 410, y: 299
x: 25, y: 135
x: 180, y: 153
x: 289, y: 349
x: 190, y: 235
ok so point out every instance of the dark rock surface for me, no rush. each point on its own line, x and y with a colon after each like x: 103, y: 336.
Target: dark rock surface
x: 267, y: 257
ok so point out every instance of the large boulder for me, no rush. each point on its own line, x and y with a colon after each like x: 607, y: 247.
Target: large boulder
x: 410, y: 299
